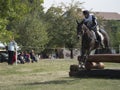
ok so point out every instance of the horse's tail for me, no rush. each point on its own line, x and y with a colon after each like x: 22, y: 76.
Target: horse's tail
x: 104, y: 33
x: 106, y: 38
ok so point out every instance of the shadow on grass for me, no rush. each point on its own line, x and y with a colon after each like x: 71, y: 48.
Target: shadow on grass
x: 51, y: 82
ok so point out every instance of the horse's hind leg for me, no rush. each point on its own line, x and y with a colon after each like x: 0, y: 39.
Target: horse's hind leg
x: 107, y: 46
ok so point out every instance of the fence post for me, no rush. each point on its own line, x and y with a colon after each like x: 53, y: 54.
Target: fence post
x: 16, y: 56
x: 119, y: 48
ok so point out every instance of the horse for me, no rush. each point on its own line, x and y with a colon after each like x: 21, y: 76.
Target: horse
x: 88, y: 42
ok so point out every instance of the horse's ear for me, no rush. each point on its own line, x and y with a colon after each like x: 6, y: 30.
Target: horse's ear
x: 77, y: 21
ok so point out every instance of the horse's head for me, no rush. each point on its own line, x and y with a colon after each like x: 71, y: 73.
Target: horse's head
x: 79, y: 29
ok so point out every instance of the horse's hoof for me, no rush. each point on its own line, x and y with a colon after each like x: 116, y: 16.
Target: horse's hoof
x: 81, y: 67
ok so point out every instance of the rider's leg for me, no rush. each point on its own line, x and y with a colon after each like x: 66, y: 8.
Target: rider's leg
x: 96, y: 35
x: 99, y: 39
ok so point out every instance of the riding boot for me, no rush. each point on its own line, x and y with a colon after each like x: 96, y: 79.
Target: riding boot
x: 96, y: 37
x: 100, y: 41
x: 96, y: 41
x: 102, y: 45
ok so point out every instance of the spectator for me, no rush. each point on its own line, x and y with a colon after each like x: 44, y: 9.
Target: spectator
x: 11, y: 51
x: 32, y: 56
x: 27, y: 57
x: 21, y: 58
x: 14, y: 58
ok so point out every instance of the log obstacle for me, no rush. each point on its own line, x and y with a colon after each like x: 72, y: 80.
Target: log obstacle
x: 95, y: 67
x: 95, y: 61
x: 98, y: 73
x: 114, y: 58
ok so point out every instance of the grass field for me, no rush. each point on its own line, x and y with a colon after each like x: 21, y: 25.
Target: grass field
x: 51, y: 75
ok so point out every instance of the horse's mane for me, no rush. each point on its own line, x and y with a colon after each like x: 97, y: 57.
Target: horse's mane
x: 84, y: 27
x: 86, y: 30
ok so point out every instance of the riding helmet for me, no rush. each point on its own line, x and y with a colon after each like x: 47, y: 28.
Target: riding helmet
x: 85, y: 12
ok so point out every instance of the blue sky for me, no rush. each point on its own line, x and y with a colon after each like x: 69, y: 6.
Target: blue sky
x: 94, y: 5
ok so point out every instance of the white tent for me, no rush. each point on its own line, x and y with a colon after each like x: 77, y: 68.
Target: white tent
x: 2, y: 45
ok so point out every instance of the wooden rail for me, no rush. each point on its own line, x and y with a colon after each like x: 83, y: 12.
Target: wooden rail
x: 104, y: 58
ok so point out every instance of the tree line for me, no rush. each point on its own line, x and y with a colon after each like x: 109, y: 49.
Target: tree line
x: 35, y: 28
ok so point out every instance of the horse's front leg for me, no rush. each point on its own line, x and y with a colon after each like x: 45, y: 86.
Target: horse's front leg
x: 82, y: 58
x: 86, y: 57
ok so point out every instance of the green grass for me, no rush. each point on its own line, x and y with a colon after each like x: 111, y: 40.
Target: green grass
x: 51, y: 75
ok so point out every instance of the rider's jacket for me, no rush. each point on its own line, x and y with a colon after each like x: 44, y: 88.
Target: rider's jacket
x: 90, y: 22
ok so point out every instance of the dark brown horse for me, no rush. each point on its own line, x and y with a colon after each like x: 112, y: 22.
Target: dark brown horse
x: 88, y: 42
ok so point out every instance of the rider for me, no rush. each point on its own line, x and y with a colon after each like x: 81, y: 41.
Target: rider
x: 91, y: 22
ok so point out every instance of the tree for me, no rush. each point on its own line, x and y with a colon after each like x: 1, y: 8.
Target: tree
x: 63, y: 27
x: 9, y: 11
x: 32, y: 34
x: 31, y: 29
x: 73, y: 12
x: 12, y: 11
x: 51, y: 18
x: 114, y: 32
x: 4, y: 13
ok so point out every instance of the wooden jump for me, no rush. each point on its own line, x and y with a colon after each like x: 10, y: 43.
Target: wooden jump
x: 94, y: 69
x: 104, y: 58
x: 104, y: 73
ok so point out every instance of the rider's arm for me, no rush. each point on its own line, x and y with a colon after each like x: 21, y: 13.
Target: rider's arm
x: 83, y: 21
x: 94, y: 21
